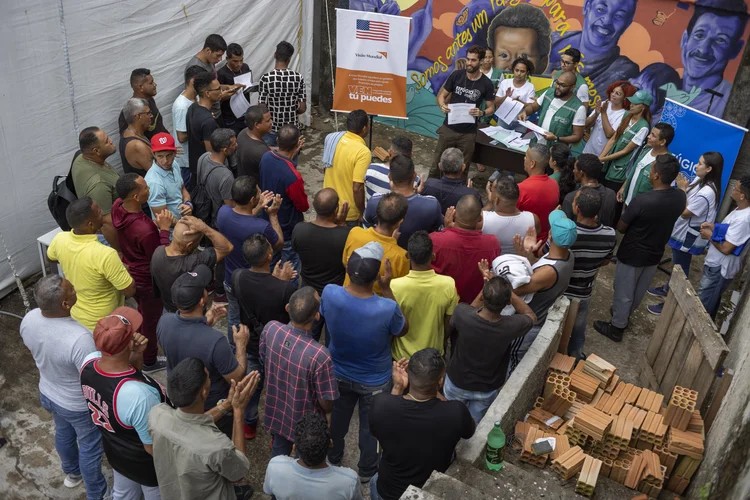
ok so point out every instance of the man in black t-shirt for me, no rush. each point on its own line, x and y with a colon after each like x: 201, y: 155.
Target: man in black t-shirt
x: 262, y: 296
x: 235, y: 66
x: 647, y: 223
x: 320, y: 246
x: 470, y: 86
x: 250, y: 144
x: 144, y: 87
x: 200, y: 121
x: 170, y: 262
x: 418, y: 431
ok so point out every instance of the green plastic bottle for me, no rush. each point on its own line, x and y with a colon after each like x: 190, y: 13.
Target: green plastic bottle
x: 495, y: 453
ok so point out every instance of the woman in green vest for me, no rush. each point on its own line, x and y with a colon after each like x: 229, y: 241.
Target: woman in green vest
x: 490, y: 71
x: 630, y: 135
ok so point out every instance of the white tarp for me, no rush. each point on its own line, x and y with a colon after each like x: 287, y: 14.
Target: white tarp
x: 67, y: 66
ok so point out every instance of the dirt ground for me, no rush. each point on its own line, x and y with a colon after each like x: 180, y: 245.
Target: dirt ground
x: 29, y: 465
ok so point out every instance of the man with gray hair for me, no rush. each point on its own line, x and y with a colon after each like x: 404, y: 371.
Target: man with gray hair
x: 59, y: 345
x: 449, y: 188
x: 538, y: 194
x: 135, y: 148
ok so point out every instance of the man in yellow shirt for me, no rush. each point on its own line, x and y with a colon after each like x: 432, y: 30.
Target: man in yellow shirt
x: 426, y: 298
x: 350, y: 162
x: 391, y: 213
x: 95, y: 270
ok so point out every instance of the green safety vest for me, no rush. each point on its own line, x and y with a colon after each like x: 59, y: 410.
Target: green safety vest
x: 642, y: 182
x: 616, y: 170
x: 579, y: 80
x: 562, y: 123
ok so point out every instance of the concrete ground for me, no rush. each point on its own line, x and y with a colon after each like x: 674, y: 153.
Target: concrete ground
x: 29, y: 465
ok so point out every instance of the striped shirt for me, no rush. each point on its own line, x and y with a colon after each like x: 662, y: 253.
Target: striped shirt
x: 593, y: 246
x: 376, y: 180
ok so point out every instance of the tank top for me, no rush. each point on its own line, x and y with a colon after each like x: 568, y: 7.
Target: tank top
x: 127, y: 167
x: 122, y: 444
x: 505, y: 227
x: 543, y: 299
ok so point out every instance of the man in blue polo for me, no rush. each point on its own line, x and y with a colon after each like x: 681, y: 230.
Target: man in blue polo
x: 165, y: 183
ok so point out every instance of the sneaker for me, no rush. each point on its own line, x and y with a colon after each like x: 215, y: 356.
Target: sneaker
x: 73, y: 480
x: 656, y: 309
x: 609, y: 331
x: 658, y: 291
x: 251, y: 431
x: 243, y: 492
x: 220, y: 299
x: 158, y: 365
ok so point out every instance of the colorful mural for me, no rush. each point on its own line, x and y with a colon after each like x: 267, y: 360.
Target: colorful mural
x: 688, y: 51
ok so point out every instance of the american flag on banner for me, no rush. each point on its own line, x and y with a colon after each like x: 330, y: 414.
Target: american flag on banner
x: 372, y: 30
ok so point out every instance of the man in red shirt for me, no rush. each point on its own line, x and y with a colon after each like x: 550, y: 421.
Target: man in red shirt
x: 538, y: 194
x: 460, y: 246
x: 139, y: 237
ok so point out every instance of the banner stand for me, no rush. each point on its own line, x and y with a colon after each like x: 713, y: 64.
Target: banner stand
x: 372, y: 117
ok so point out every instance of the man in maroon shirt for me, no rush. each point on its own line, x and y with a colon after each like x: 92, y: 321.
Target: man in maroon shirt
x: 460, y: 246
x: 538, y: 194
x: 139, y: 237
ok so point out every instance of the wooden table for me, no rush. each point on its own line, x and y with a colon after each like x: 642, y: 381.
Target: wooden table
x: 497, y: 155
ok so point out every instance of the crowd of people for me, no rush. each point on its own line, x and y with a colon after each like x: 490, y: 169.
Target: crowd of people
x: 409, y: 298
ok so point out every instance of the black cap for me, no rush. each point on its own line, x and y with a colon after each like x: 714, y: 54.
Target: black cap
x: 188, y: 289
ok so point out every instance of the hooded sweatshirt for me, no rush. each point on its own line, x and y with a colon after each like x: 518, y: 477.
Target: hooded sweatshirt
x: 139, y: 237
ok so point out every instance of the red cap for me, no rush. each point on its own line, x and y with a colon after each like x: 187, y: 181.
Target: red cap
x: 114, y: 332
x: 162, y: 142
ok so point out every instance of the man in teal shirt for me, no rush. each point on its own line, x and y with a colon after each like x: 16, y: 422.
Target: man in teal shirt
x: 167, y: 190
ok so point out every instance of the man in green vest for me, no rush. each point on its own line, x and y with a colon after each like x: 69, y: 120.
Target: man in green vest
x: 562, y: 113
x: 569, y: 62
x: 637, y: 181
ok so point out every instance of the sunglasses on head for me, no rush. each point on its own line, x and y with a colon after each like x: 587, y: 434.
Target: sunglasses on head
x: 124, y: 320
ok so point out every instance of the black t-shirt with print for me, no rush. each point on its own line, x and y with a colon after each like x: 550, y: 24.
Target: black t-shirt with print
x: 465, y: 90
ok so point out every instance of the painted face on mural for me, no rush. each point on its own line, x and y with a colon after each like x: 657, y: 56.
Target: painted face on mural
x: 512, y: 43
x: 712, y: 43
x: 604, y: 22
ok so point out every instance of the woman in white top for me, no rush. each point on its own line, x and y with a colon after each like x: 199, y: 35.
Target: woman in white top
x: 518, y: 88
x: 607, y: 116
x: 502, y: 218
x: 702, y: 202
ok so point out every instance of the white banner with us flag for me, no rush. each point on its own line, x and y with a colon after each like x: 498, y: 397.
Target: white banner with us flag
x: 371, y: 55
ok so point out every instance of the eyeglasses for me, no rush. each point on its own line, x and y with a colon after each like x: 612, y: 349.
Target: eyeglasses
x: 566, y: 63
x: 124, y: 320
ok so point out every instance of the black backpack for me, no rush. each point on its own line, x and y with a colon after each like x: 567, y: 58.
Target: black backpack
x: 201, y: 200
x: 63, y: 194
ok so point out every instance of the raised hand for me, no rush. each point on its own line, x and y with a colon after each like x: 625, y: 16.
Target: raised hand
x: 384, y: 280
x: 138, y: 343
x: 194, y: 224
x: 400, y: 373
x: 449, y: 220
x: 215, y: 314
x: 164, y: 220
x: 240, y: 334
x: 484, y: 268
x: 682, y: 181
x: 341, y: 214
x: 275, y: 205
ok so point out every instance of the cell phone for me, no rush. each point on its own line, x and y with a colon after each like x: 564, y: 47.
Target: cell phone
x: 416, y: 181
x: 495, y: 176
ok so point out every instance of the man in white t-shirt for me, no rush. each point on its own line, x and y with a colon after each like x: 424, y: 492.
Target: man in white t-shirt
x: 725, y: 254
x: 179, y: 120
x: 501, y: 217
x: 657, y: 143
x: 562, y: 103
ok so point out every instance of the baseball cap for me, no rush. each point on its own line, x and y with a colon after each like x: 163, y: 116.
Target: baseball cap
x: 113, y: 333
x: 562, y: 229
x: 642, y: 97
x: 162, y: 142
x: 517, y: 270
x: 364, y: 262
x: 187, y: 290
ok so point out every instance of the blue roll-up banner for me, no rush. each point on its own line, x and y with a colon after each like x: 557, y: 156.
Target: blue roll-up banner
x: 696, y: 133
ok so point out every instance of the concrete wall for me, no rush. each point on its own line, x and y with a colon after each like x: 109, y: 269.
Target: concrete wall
x: 522, y: 388
x: 738, y: 112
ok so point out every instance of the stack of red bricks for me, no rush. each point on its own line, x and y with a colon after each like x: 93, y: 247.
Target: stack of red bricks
x: 607, y: 427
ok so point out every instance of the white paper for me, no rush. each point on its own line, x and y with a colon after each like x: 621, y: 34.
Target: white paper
x: 245, y: 79
x: 509, y: 110
x: 533, y: 127
x: 239, y: 104
x: 459, y: 113
x: 518, y: 142
x: 490, y: 131
x: 552, y: 420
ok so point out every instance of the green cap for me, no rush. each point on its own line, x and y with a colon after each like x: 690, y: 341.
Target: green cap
x: 642, y: 97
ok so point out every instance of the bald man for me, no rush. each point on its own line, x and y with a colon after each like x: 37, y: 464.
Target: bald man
x: 171, y: 261
x: 460, y: 246
x: 320, y: 245
x: 561, y: 113
x: 538, y: 193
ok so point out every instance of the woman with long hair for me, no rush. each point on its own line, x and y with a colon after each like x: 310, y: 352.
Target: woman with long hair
x: 561, y: 162
x: 518, y: 88
x: 607, y: 116
x: 703, y: 195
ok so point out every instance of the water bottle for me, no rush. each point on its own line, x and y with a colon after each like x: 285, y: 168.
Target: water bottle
x: 495, y: 454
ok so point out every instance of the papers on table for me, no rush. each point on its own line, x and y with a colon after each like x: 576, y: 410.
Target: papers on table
x: 490, y: 131
x: 518, y: 143
x: 459, y: 113
x: 245, y: 79
x: 533, y: 127
x: 509, y: 110
x: 239, y: 103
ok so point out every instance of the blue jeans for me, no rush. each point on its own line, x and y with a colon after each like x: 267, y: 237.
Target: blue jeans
x: 683, y: 260
x: 477, y: 402
x: 79, y: 444
x: 711, y: 288
x: 280, y: 445
x: 288, y: 255
x: 578, y: 335
x: 351, y: 393
x: 374, y: 488
x: 233, y: 311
